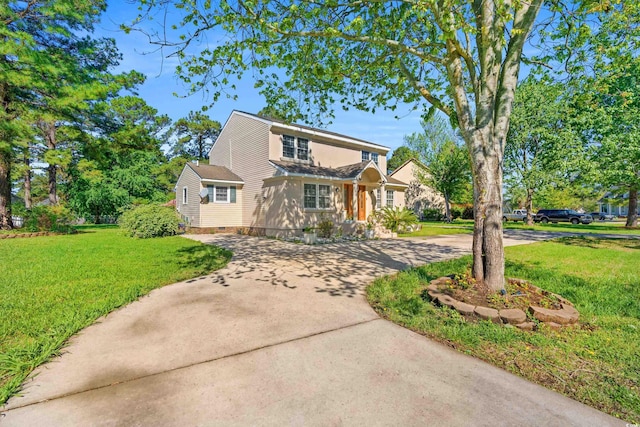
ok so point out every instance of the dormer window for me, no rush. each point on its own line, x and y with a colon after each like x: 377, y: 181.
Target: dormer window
x: 366, y: 156
x: 295, y: 148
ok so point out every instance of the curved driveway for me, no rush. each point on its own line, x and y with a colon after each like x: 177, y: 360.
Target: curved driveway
x: 282, y: 336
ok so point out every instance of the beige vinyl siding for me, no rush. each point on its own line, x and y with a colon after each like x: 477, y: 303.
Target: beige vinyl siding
x: 323, y: 153
x: 213, y: 214
x: 190, y: 211
x: 243, y: 147
x: 284, y: 207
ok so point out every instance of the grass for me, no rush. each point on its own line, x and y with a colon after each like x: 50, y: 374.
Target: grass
x: 458, y: 226
x: 595, y: 363
x: 54, y: 286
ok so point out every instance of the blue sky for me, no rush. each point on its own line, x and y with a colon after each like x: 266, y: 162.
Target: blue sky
x: 381, y: 128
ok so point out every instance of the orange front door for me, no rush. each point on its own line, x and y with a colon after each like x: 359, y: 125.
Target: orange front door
x: 348, y: 200
x: 362, y: 202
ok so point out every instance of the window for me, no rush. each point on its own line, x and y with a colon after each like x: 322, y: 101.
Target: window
x: 378, y: 199
x: 220, y: 194
x: 374, y: 157
x: 288, y: 146
x: 184, y: 196
x: 324, y: 196
x: 303, y: 149
x: 295, y: 148
x: 317, y: 196
x: 390, y: 198
x: 310, y: 193
x: 365, y: 156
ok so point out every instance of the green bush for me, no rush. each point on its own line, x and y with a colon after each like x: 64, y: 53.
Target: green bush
x: 397, y: 219
x: 456, y: 213
x: 48, y: 218
x: 325, y: 228
x: 467, y: 213
x: 432, y: 214
x: 147, y: 221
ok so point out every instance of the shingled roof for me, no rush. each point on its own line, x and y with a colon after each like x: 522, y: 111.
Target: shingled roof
x: 342, y: 172
x: 214, y: 173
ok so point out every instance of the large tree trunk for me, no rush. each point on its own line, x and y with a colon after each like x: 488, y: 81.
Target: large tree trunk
x: 27, y: 180
x: 447, y: 208
x: 529, y: 206
x: 632, y: 215
x: 488, y: 250
x: 50, y: 137
x: 5, y: 191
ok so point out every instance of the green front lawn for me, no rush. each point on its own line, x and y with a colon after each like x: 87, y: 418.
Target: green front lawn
x: 51, y: 287
x: 465, y: 226
x: 595, y: 363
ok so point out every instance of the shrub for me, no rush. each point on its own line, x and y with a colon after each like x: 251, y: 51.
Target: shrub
x: 467, y: 213
x: 396, y: 219
x: 432, y: 214
x: 147, y: 221
x: 48, y: 218
x: 456, y: 213
x: 325, y: 228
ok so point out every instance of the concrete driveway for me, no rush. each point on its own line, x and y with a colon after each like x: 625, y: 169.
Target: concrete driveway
x: 282, y: 336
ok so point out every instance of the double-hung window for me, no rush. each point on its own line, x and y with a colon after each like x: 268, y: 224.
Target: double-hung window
x: 303, y: 149
x: 378, y: 199
x: 317, y: 196
x: 390, y: 198
x: 221, y: 194
x: 295, y: 148
x: 185, y: 194
x: 367, y: 155
x: 288, y: 146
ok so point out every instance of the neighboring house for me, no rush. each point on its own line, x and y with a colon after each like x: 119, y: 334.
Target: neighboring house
x: 276, y: 179
x: 418, y: 196
x: 615, y: 204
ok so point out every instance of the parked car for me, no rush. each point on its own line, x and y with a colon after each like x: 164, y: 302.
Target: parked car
x: 602, y: 216
x: 562, y: 215
x: 516, y: 215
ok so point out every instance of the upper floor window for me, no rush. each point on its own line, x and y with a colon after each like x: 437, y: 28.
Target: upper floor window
x: 185, y: 194
x: 295, y: 148
x: 367, y: 155
x: 288, y: 146
x: 303, y: 149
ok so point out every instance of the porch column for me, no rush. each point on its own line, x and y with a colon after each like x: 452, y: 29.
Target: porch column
x: 354, y: 200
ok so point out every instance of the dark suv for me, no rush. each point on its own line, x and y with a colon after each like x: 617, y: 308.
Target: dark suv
x: 562, y: 215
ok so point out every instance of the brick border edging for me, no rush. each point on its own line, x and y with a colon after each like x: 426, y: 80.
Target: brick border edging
x: 25, y: 235
x: 554, y: 319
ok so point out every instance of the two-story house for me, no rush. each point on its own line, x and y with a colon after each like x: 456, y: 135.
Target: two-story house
x: 275, y: 178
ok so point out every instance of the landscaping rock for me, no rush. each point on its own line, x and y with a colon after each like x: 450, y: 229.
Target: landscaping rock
x: 446, y: 300
x: 433, y: 295
x: 487, y: 313
x: 526, y: 326
x: 566, y: 316
x: 553, y: 326
x: 440, y: 281
x: 433, y: 287
x: 512, y: 316
x: 464, y: 308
